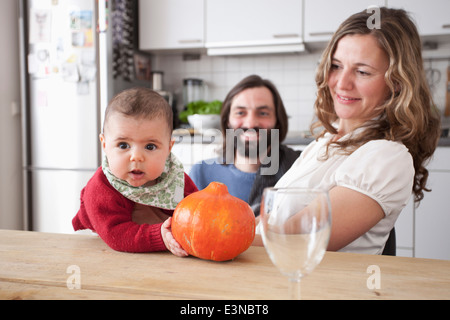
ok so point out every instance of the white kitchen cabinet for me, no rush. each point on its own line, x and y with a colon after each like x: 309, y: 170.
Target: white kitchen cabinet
x: 238, y: 23
x: 323, y: 17
x: 423, y: 231
x: 432, y: 16
x: 171, y: 24
x: 432, y: 217
x: 404, y: 227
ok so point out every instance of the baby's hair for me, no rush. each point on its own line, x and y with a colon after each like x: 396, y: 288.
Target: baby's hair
x: 140, y: 103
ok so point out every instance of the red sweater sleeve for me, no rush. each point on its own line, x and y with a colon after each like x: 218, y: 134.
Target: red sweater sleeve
x: 105, y: 211
x: 189, y: 186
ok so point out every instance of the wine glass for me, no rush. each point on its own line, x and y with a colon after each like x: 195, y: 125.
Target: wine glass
x: 295, y: 228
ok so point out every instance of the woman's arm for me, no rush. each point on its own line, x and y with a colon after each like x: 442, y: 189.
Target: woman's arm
x: 353, y: 214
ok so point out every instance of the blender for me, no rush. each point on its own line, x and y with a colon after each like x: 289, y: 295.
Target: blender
x: 193, y: 90
x: 157, y: 85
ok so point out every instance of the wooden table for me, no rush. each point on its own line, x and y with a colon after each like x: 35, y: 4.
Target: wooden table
x: 44, y: 266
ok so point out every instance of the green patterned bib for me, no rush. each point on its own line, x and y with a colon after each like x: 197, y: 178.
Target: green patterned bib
x: 165, y: 194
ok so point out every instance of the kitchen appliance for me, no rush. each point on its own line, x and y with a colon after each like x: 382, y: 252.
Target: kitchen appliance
x: 65, y: 88
x: 157, y: 85
x: 194, y: 90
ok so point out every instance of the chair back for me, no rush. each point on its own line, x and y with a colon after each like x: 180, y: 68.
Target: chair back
x: 390, y: 247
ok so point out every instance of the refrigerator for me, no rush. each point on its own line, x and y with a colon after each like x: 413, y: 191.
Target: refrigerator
x: 65, y: 87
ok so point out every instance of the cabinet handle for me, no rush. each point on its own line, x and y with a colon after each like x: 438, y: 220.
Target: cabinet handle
x: 319, y: 34
x: 446, y: 26
x: 190, y: 41
x: 286, y: 35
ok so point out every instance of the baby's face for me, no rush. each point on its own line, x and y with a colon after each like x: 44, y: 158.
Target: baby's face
x: 137, y: 149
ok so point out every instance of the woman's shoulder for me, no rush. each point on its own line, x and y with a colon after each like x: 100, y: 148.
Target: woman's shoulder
x: 381, y: 169
x: 384, y: 143
x: 384, y: 147
x: 381, y: 154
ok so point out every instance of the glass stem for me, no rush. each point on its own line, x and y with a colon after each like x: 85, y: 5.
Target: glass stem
x: 294, y: 289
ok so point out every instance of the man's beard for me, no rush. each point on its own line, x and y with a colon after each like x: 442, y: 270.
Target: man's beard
x: 253, y: 149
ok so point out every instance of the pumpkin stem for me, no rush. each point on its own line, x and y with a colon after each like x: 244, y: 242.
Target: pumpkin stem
x: 217, y: 187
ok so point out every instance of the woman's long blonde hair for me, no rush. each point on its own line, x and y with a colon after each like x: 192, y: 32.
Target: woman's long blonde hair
x: 408, y: 115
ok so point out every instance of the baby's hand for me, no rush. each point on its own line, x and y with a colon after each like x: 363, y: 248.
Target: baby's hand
x: 171, y: 244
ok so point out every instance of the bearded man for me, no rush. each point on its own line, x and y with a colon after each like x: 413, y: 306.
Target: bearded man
x: 253, y: 123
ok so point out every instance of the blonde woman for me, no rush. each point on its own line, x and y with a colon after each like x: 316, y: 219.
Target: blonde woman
x: 376, y: 129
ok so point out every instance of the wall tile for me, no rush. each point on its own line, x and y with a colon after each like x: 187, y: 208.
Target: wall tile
x: 293, y: 74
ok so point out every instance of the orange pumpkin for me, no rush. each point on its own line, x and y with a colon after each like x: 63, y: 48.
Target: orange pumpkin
x: 211, y: 224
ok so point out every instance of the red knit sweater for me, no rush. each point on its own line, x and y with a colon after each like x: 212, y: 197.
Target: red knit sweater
x: 108, y: 213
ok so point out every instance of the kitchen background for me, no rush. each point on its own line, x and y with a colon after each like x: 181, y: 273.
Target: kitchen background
x: 292, y: 73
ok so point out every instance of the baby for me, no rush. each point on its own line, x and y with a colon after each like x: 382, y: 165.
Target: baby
x: 130, y: 199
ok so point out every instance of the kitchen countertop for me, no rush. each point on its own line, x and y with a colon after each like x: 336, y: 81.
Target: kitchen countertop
x: 61, y: 266
x: 293, y: 138
x: 444, y: 142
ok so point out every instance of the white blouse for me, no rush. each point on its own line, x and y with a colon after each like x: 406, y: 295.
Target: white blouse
x: 380, y: 169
